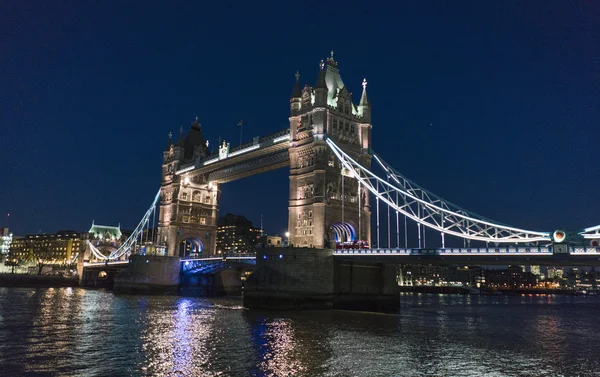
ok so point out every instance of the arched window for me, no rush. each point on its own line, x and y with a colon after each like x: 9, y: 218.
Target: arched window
x: 196, y: 196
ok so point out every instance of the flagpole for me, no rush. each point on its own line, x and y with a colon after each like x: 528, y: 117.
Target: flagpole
x: 241, y: 123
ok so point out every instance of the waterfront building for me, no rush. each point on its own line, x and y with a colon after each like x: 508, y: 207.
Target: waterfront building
x: 5, y: 241
x: 104, y: 232
x: 236, y: 234
x: 48, y: 248
x: 535, y: 270
x: 439, y: 276
x: 511, y: 278
x: 105, y: 238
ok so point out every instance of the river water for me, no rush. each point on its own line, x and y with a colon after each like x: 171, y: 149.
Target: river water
x: 78, y: 332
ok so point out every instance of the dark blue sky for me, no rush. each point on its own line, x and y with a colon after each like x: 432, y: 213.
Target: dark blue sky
x: 492, y: 105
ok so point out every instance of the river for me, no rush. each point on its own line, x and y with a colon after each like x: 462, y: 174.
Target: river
x: 78, y: 332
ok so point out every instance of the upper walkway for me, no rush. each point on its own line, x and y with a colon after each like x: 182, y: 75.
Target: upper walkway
x: 260, y: 155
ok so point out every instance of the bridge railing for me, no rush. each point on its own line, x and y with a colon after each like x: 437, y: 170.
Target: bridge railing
x: 274, y: 138
x: 534, y: 250
x: 220, y: 257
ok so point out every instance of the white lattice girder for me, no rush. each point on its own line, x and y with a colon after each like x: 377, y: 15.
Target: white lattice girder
x: 429, y: 209
x: 591, y: 233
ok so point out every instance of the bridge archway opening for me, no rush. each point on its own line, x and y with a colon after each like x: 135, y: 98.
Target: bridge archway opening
x: 190, y: 247
x: 342, y: 234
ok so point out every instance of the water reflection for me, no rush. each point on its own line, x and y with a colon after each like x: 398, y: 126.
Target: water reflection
x: 66, y: 332
x: 298, y: 345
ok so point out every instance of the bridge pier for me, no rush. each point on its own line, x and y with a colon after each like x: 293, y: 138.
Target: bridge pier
x: 226, y: 282
x: 362, y: 286
x: 149, y: 274
x: 307, y: 278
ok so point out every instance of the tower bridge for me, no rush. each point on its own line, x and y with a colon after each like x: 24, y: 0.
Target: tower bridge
x: 337, y: 182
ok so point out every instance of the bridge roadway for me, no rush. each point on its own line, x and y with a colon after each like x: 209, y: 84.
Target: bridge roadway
x: 543, y: 255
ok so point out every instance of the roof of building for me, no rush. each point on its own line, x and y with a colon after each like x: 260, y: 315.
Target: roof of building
x: 193, y: 140
x: 102, y: 230
x: 333, y: 80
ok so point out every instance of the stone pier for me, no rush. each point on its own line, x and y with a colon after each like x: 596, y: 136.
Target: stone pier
x: 308, y: 278
x: 149, y: 274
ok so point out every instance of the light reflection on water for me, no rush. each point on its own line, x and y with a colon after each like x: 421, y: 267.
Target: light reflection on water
x: 76, y: 332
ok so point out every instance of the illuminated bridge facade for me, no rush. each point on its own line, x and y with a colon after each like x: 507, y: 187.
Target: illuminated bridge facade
x: 336, y: 182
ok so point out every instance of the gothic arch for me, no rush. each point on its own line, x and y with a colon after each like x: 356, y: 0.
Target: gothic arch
x: 343, y: 232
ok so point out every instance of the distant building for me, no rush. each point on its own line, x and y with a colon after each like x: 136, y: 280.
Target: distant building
x: 105, y: 238
x: 104, y: 232
x: 439, y: 276
x: 236, y: 234
x: 535, y: 270
x: 559, y: 273
x: 49, y: 248
x: 582, y: 278
x: 511, y: 278
x: 5, y: 241
x: 270, y: 241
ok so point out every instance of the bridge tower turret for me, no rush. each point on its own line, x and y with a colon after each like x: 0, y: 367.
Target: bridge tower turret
x: 325, y: 203
x: 295, y: 107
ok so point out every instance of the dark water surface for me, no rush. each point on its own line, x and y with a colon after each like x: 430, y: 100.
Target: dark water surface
x: 77, y: 332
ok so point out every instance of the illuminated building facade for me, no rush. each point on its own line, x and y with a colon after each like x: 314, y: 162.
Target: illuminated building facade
x: 188, y: 206
x: 5, y: 241
x: 511, y: 278
x: 270, y: 241
x: 326, y: 204
x: 438, y: 276
x: 106, y: 239
x: 236, y: 234
x: 50, y: 248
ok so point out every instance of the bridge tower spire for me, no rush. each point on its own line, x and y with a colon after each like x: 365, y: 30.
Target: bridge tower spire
x: 324, y: 203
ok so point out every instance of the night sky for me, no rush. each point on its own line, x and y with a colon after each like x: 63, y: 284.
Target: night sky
x: 494, y: 106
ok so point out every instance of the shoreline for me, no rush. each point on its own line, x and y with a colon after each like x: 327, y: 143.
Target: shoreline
x: 37, y: 281
x: 43, y: 281
x: 490, y: 292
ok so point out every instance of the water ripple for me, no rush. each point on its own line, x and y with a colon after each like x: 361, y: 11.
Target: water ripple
x: 76, y: 332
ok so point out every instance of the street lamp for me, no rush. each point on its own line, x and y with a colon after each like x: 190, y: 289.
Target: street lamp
x: 287, y: 239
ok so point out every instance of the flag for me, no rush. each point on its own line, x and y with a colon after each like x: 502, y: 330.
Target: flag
x: 240, y: 123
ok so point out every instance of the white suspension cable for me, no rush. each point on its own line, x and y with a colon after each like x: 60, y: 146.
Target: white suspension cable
x: 127, y: 245
x: 458, y: 222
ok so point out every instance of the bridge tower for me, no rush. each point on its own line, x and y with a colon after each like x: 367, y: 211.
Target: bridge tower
x: 325, y: 203
x: 188, y: 204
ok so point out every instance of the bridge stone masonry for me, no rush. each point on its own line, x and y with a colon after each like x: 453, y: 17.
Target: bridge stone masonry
x: 191, y: 177
x: 336, y: 183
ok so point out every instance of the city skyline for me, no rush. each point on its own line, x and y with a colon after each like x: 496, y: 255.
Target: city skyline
x: 479, y: 129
